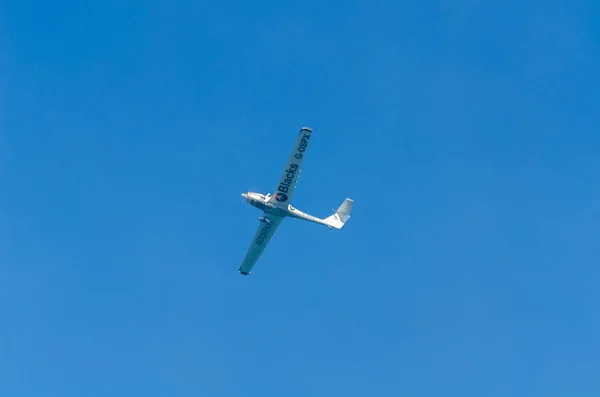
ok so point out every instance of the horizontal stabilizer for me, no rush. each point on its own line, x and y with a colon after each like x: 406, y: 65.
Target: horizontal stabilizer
x: 341, y: 216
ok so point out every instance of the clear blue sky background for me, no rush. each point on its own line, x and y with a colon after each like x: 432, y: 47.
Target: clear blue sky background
x: 467, y: 133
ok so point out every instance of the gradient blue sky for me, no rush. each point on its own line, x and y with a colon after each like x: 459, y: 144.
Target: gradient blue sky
x: 468, y: 134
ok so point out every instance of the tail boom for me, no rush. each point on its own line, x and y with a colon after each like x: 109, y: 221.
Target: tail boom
x: 337, y: 220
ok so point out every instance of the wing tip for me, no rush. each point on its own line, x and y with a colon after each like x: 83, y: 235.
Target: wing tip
x: 306, y: 129
x: 243, y: 273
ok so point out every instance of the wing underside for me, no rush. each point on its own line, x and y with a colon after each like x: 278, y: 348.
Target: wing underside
x: 259, y: 242
x: 289, y: 177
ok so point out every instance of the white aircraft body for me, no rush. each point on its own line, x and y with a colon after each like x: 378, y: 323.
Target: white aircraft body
x: 277, y: 206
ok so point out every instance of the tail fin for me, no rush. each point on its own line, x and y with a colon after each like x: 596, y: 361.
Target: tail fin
x: 341, y: 216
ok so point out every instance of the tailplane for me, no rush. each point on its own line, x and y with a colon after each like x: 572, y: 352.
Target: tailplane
x: 341, y: 216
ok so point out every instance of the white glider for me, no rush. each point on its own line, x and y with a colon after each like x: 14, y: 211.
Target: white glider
x: 276, y: 206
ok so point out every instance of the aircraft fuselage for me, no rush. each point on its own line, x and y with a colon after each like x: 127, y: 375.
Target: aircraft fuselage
x: 261, y: 201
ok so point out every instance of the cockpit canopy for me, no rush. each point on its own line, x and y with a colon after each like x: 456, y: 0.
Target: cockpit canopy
x: 260, y: 196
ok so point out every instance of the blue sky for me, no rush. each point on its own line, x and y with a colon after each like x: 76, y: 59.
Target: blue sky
x: 467, y: 134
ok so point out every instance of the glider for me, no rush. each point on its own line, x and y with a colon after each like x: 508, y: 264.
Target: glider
x: 277, y: 206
